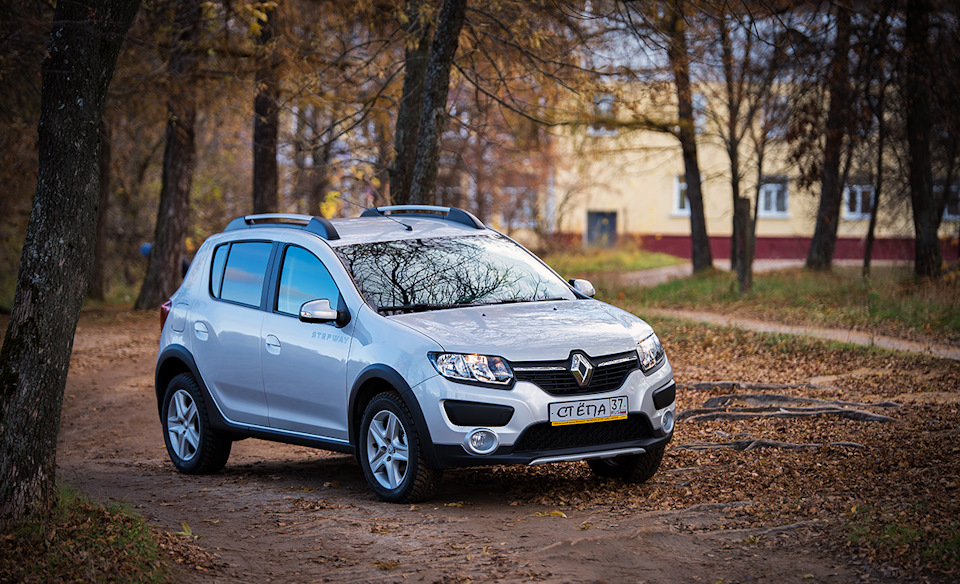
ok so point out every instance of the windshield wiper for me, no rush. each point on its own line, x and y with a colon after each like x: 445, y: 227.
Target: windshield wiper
x: 518, y: 300
x: 423, y: 307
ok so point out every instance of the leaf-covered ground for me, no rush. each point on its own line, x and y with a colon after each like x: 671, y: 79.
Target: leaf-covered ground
x: 868, y: 499
x: 887, y: 493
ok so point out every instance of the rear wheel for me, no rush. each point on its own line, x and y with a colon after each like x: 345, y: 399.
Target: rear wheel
x: 194, y: 447
x: 632, y: 468
x: 390, y: 452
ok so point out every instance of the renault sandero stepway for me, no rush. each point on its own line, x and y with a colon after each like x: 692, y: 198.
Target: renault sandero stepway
x: 412, y: 337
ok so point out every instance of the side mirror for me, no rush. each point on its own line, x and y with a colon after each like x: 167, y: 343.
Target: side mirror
x: 318, y: 311
x: 584, y: 287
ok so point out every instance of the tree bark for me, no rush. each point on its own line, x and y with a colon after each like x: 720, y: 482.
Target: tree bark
x: 742, y: 226
x: 411, y: 102
x: 824, y: 241
x: 164, y: 268
x: 926, y: 217
x: 58, y: 250
x: 266, y: 122
x: 435, y: 90
x: 678, y: 54
x: 877, y: 188
x: 98, y: 281
x: 732, y: 142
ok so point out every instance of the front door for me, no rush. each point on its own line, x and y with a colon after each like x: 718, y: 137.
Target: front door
x: 304, y: 364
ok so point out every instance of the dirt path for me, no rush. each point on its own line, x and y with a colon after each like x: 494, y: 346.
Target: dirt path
x: 853, y: 337
x: 289, y: 514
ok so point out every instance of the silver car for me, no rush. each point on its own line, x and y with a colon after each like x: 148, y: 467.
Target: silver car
x: 412, y: 337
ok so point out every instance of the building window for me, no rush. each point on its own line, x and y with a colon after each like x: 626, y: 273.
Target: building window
x: 774, y: 199
x: 605, y: 111
x: 951, y: 212
x: 681, y: 205
x: 857, y: 202
x: 699, y: 102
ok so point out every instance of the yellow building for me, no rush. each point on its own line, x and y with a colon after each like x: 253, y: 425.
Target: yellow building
x: 629, y: 185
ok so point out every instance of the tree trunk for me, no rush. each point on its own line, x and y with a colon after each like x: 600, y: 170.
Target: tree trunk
x: 58, y: 250
x: 319, y: 177
x: 823, y: 244
x: 877, y: 188
x: 741, y: 215
x: 677, y: 52
x: 164, y: 268
x: 411, y: 102
x: 98, y: 281
x: 266, y: 122
x: 435, y: 89
x: 926, y: 222
x: 732, y: 143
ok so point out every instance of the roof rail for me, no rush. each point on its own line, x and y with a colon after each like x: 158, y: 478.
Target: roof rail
x: 316, y: 225
x: 429, y: 211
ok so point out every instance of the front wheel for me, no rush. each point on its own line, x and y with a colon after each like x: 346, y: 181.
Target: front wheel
x: 194, y: 447
x: 390, y: 452
x: 632, y: 468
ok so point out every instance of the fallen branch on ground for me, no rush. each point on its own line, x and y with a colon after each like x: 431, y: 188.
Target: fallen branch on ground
x: 775, y: 399
x: 714, y: 414
x: 755, y: 443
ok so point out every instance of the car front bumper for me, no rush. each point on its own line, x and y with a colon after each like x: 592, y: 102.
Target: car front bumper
x: 519, y: 417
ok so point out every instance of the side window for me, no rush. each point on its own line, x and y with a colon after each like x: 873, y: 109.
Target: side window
x: 303, y: 277
x: 774, y: 198
x: 216, y: 271
x: 681, y: 205
x: 246, y: 266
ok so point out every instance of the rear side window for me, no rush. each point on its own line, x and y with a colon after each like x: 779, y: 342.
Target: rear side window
x: 244, y: 268
x: 304, y: 278
x: 216, y: 273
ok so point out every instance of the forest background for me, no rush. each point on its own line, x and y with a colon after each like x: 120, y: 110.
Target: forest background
x: 219, y: 109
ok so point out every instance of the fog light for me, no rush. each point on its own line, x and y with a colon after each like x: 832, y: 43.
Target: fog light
x: 667, y: 421
x: 482, y: 441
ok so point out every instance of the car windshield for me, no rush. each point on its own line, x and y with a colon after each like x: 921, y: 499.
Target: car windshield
x: 414, y: 275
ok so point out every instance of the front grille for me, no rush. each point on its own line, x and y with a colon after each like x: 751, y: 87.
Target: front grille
x: 543, y: 436
x: 554, y: 377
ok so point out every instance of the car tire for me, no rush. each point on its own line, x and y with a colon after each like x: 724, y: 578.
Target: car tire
x: 193, y: 445
x: 390, y: 452
x: 633, y: 468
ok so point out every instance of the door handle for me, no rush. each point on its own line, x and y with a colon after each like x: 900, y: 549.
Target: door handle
x: 200, y: 329
x: 273, y: 345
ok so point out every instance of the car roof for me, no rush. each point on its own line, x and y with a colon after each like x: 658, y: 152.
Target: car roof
x: 375, y: 229
x: 374, y: 225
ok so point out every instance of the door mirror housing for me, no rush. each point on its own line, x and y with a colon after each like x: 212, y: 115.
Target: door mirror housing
x: 584, y: 287
x: 319, y: 311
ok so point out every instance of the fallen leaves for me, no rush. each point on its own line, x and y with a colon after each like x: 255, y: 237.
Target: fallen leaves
x: 386, y: 565
x: 186, y: 532
x: 550, y: 514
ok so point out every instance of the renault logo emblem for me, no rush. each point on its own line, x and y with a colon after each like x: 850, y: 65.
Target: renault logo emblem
x: 581, y: 368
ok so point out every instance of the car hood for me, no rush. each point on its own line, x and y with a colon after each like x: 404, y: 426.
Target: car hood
x: 531, y: 331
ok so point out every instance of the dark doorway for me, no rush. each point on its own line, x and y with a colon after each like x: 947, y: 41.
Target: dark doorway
x: 601, y: 228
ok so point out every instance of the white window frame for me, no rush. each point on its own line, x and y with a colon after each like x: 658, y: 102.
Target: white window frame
x: 767, y: 204
x: 681, y: 204
x: 856, y: 191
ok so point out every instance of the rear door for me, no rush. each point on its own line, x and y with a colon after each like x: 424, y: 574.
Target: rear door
x: 226, y: 341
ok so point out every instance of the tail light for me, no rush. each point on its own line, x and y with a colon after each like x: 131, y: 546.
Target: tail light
x: 165, y: 312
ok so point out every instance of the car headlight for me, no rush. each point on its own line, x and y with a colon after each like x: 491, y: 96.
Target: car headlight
x: 650, y: 352
x: 472, y: 368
